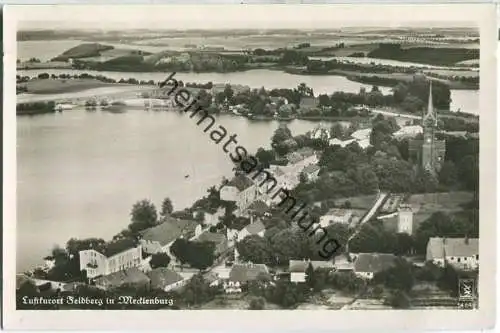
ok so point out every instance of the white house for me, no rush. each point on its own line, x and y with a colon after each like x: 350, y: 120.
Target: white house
x: 96, y: 263
x: 342, y: 143
x: 462, y: 253
x: 336, y: 215
x: 166, y: 279
x: 405, y: 219
x: 366, y: 265
x: 161, y: 237
x: 362, y: 134
x: 298, y: 268
x: 408, y: 131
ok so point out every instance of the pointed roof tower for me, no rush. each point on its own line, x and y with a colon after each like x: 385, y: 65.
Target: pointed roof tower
x: 430, y: 117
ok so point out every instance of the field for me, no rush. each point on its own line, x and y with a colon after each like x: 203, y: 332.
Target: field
x: 58, y: 86
x: 449, y: 72
x: 424, y: 205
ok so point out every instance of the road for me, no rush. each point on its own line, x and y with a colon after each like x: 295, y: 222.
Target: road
x: 394, y: 114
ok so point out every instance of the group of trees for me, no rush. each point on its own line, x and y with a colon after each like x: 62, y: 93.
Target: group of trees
x: 199, y: 255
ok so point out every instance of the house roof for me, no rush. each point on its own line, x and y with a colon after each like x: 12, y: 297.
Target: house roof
x: 311, y: 169
x: 129, y: 276
x: 373, y: 262
x: 299, y: 155
x: 119, y: 246
x: 248, y: 272
x: 309, y: 102
x: 214, y: 237
x: 162, y: 277
x: 169, y: 231
x: 259, y: 206
x: 362, y: 134
x: 255, y: 227
x: 438, y: 248
x: 241, y: 182
x: 297, y: 266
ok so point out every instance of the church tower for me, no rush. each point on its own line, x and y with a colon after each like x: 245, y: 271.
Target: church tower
x: 429, y: 151
x: 429, y: 124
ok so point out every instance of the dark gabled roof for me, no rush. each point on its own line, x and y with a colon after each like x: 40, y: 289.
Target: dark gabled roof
x: 119, y: 246
x: 214, y: 237
x: 162, y: 277
x: 311, y: 168
x: 374, y: 262
x: 300, y: 266
x: 259, y: 206
x: 130, y: 276
x: 241, y: 182
x: 248, y: 272
x: 169, y: 230
x: 255, y: 227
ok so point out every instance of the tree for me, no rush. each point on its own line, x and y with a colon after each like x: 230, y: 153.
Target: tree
x: 281, y: 134
x: 448, y: 174
x: 143, y: 215
x: 399, y: 300
x: 399, y: 277
x: 159, y: 260
x: 257, y: 303
x: 265, y: 157
x: 43, y: 76
x: 310, y: 276
x: 166, y: 207
x: 255, y: 249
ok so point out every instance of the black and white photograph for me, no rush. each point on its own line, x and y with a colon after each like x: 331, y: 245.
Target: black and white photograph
x: 251, y: 157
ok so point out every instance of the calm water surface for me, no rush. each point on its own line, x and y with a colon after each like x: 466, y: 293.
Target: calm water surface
x: 80, y: 172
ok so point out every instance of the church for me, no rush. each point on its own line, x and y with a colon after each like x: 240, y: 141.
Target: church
x: 428, y: 151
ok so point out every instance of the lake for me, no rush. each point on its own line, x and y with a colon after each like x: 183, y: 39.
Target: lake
x: 80, y: 172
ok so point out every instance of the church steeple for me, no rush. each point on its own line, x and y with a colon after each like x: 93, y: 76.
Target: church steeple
x: 430, y: 117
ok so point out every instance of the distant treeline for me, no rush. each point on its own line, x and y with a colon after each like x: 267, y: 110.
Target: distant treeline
x: 425, y: 55
x: 35, y: 108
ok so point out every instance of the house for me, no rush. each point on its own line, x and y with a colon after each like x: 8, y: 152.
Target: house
x: 362, y: 134
x: 408, y: 131
x: 298, y: 268
x: 342, y: 143
x: 131, y: 276
x: 240, y: 190
x: 302, y: 157
x: 166, y: 279
x: 117, y: 256
x: 159, y: 238
x: 219, y: 240
x: 336, y: 215
x: 462, y: 253
x: 308, y: 103
x: 256, y: 228
x: 366, y: 265
x: 241, y: 274
x: 342, y: 263
x: 278, y: 99
x: 258, y: 208
x: 210, y: 218
x: 320, y: 132
x: 311, y: 172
